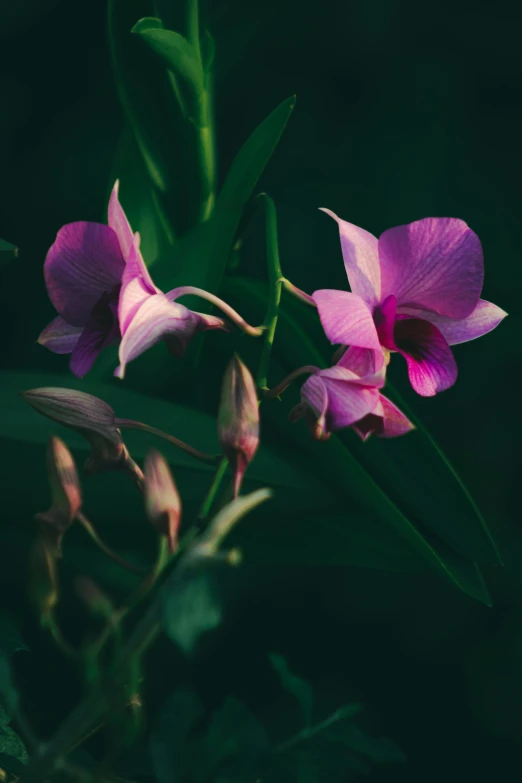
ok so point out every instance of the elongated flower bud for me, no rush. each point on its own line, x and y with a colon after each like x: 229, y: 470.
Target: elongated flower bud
x: 66, y: 498
x: 238, y: 419
x: 162, y: 500
x: 91, y: 417
x: 43, y: 583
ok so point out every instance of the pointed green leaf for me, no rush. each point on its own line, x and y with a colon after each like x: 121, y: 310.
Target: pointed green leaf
x: 203, y: 254
x: 294, y: 685
x: 8, y: 252
x: 175, y: 52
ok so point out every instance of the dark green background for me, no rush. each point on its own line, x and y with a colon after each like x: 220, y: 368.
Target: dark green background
x: 403, y: 111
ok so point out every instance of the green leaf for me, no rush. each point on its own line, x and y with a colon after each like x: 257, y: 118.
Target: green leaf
x: 202, y: 255
x: 8, y: 692
x: 294, y: 685
x: 379, y: 750
x: 234, y: 746
x: 190, y: 610
x: 13, y: 753
x: 170, y: 734
x: 175, y: 52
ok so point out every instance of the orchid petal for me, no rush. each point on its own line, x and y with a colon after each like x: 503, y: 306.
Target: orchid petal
x: 484, y: 318
x: 367, y: 364
x: 433, y: 264
x: 100, y: 331
x: 384, y: 319
x: 346, y: 318
x: 156, y: 319
x: 361, y: 260
x: 84, y: 261
x: 386, y: 421
x: 59, y: 336
x: 431, y: 366
x: 348, y: 402
x: 135, y: 287
x: 394, y: 421
x: 117, y: 220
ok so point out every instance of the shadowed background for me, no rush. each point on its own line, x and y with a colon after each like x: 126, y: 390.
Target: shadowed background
x: 401, y: 113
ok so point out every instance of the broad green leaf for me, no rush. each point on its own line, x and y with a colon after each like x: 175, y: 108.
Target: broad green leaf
x: 20, y: 423
x: 190, y: 610
x: 202, y: 255
x: 234, y: 746
x: 170, y: 733
x: 175, y: 52
x: 379, y: 750
x: 294, y: 685
x: 8, y: 692
x: 13, y: 753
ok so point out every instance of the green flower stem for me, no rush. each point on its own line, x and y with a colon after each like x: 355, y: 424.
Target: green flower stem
x: 186, y: 290
x: 88, y: 714
x: 307, y: 733
x: 308, y: 369
x: 275, y: 280
x: 295, y: 291
x: 209, y: 459
x: 214, y: 488
x: 90, y: 529
x: 58, y: 638
x: 203, y: 121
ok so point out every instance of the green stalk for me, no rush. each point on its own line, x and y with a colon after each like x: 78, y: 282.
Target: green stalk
x: 275, y: 280
x: 214, y: 488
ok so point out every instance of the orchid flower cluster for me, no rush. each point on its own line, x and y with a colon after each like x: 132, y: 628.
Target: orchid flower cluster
x: 415, y: 291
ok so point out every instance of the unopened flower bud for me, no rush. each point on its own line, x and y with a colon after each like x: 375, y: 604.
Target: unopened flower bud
x: 162, y: 500
x: 43, y: 583
x: 91, y: 417
x: 66, y: 498
x: 238, y: 419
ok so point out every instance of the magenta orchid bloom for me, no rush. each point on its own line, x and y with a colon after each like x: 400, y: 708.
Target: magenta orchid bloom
x: 83, y: 271
x: 147, y: 316
x: 98, y: 282
x: 415, y: 290
x: 348, y: 395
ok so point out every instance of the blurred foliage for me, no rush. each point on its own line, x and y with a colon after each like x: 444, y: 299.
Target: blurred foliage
x: 402, y: 112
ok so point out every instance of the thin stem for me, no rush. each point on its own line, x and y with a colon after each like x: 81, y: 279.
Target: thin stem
x: 295, y: 291
x: 90, y: 529
x: 193, y: 25
x: 308, y: 369
x: 59, y: 639
x: 305, y: 734
x: 214, y: 488
x: 275, y: 280
x: 184, y: 290
x: 206, y: 153
x: 210, y: 459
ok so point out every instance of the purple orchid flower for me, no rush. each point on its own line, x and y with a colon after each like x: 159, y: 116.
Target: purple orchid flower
x: 83, y: 271
x: 147, y: 316
x: 98, y: 282
x: 415, y: 290
x: 348, y: 395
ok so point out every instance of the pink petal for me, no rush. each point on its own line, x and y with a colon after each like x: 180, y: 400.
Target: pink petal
x: 136, y: 286
x: 367, y: 364
x: 156, y: 319
x: 59, y: 336
x: 117, y: 220
x: 361, y: 259
x: 386, y: 421
x: 484, y: 318
x: 100, y: 331
x: 336, y: 400
x: 431, y: 366
x: 384, y: 320
x: 433, y: 264
x: 394, y: 422
x: 84, y: 262
x: 346, y: 318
